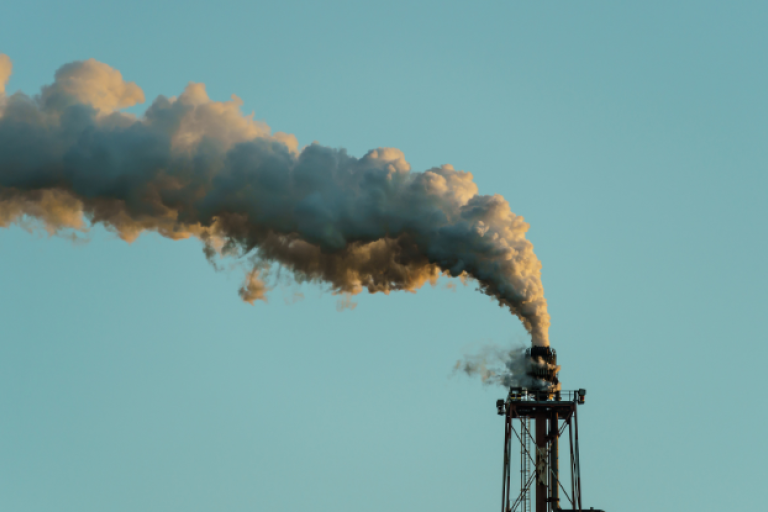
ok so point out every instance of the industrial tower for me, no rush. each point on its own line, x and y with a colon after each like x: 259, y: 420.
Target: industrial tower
x: 551, y: 412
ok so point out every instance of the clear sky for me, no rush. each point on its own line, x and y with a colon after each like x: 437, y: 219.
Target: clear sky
x: 631, y: 137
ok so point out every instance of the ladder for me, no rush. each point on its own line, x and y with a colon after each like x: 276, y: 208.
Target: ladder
x: 525, y: 463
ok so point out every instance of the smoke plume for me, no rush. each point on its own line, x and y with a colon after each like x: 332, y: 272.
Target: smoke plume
x: 193, y: 167
x: 506, y: 367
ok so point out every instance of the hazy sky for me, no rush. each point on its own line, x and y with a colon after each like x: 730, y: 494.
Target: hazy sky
x: 631, y: 138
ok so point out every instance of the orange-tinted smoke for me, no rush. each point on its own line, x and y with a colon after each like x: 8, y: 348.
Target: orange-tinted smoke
x: 193, y: 167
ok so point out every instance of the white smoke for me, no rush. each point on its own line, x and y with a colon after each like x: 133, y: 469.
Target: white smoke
x: 191, y: 166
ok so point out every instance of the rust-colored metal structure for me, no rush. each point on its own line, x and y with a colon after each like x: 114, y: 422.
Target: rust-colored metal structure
x: 552, y: 413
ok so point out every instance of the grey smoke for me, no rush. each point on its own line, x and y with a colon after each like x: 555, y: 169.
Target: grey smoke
x: 503, y: 367
x: 193, y: 167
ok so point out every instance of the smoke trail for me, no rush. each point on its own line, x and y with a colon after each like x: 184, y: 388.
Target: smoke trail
x: 190, y: 166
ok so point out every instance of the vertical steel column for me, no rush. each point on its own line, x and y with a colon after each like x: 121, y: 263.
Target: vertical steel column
x: 573, y: 460
x: 507, y: 445
x: 528, y: 439
x: 509, y: 463
x: 524, y: 464
x: 554, y: 463
x: 577, y: 463
x: 541, y: 462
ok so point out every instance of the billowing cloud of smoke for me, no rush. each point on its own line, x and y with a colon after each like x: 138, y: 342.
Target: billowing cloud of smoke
x: 193, y: 167
x: 506, y: 367
x: 5, y: 71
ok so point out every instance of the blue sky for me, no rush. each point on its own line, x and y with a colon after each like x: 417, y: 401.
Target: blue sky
x: 630, y: 137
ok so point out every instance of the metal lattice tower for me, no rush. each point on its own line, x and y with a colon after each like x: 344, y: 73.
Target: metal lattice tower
x: 550, y: 412
x: 540, y: 476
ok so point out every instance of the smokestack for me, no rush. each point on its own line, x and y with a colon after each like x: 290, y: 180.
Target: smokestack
x: 543, y: 368
x: 194, y: 167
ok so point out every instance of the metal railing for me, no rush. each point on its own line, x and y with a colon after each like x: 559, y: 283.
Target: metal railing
x: 538, y: 395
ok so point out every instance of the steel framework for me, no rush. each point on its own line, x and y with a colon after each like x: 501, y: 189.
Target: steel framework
x: 551, y: 415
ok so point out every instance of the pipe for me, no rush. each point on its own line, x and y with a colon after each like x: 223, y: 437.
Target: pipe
x: 554, y: 463
x: 541, y: 462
